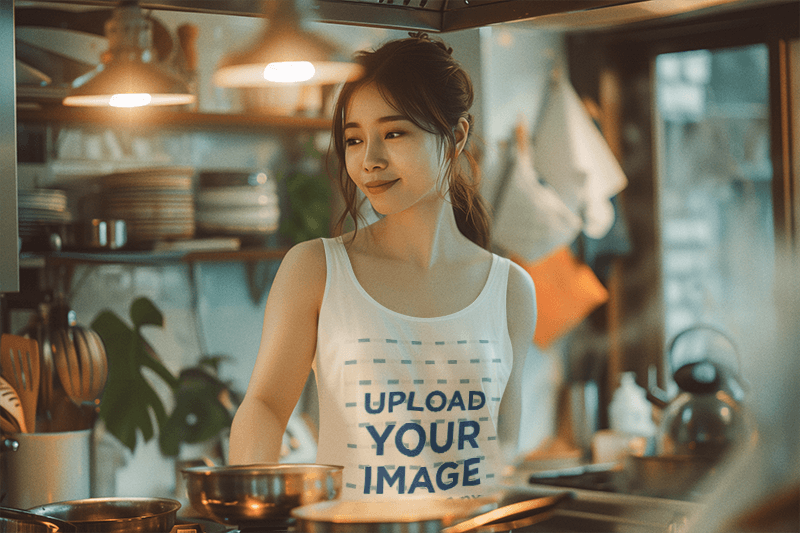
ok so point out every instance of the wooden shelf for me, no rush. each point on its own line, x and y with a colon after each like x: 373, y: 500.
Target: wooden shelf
x: 169, y: 119
x: 247, y: 255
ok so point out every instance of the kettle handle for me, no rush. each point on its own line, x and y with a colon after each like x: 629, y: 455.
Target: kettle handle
x: 703, y: 326
x: 655, y: 395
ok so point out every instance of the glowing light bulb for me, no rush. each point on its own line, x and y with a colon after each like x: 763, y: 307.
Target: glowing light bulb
x: 130, y: 100
x: 289, y: 71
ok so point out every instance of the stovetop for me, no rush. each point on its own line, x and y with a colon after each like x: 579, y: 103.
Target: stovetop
x: 268, y: 527
x: 606, y: 477
x: 199, y: 525
x: 598, y: 503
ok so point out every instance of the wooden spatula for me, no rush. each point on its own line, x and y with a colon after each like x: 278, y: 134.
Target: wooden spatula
x: 19, y: 365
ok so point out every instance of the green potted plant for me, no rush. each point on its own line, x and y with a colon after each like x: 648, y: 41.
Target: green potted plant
x: 203, y: 405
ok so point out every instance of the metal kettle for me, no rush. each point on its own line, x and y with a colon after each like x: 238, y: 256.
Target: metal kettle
x: 707, y: 416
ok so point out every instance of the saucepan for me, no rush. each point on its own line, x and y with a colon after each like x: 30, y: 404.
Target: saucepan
x: 115, y: 515
x: 100, y: 234
x: 489, y: 514
x: 19, y: 521
x: 670, y: 476
x: 260, y: 494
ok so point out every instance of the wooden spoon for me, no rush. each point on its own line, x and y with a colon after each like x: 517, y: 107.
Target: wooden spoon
x: 7, y: 425
x: 19, y: 361
x: 11, y: 409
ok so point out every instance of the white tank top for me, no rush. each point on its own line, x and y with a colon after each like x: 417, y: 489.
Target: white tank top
x: 409, y: 405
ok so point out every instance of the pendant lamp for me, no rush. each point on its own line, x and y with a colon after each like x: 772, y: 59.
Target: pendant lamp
x: 128, y: 75
x: 285, y: 53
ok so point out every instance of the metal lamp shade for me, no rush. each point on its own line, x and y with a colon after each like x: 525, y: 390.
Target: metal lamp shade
x: 292, y: 54
x: 121, y: 81
x: 126, y: 77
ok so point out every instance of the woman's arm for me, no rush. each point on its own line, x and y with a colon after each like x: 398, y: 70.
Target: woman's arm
x: 521, y: 312
x: 288, y: 343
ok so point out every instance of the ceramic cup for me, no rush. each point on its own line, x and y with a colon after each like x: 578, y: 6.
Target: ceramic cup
x: 46, y: 468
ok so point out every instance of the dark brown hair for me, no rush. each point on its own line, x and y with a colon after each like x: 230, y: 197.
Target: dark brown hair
x: 420, y: 78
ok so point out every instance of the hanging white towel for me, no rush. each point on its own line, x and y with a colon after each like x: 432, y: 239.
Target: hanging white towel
x: 530, y: 219
x: 572, y: 156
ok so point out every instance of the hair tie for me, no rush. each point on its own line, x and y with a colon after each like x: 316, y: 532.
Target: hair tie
x: 422, y: 36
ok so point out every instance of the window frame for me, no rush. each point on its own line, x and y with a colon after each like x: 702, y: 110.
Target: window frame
x: 615, y: 68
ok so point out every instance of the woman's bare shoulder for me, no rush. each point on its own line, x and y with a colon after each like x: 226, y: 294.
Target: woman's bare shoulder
x: 303, y: 269
x: 307, y: 255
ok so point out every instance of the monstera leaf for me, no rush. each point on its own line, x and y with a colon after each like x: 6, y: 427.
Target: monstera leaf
x: 202, y: 411
x: 129, y: 399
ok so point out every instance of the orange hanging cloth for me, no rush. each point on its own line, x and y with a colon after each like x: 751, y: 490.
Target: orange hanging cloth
x: 566, y: 292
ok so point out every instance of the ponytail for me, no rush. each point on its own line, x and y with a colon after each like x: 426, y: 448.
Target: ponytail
x: 469, y: 208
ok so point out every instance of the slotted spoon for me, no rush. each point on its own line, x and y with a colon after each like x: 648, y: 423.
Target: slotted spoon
x: 19, y: 364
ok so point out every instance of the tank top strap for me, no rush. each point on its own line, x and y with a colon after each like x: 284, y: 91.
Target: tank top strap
x: 336, y: 262
x: 497, y: 284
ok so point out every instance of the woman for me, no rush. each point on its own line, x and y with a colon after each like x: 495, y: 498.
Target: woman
x: 416, y: 333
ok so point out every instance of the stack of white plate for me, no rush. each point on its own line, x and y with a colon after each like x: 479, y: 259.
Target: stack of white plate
x: 40, y: 208
x: 156, y: 203
x: 238, y: 205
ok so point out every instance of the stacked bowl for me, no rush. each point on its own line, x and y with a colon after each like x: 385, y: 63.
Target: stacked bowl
x: 42, y: 213
x: 156, y: 203
x: 236, y: 202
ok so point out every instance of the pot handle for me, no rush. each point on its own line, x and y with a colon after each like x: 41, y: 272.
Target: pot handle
x: 511, y: 516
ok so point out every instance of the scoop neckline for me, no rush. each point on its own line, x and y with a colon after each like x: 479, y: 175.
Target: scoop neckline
x: 351, y: 273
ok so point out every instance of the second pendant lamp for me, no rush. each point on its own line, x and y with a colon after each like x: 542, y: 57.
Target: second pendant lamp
x: 128, y: 75
x: 285, y: 53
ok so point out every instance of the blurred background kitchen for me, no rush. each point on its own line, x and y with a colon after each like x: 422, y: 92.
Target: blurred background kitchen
x: 640, y: 159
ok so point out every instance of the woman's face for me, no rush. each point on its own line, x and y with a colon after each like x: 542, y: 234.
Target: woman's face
x: 395, y: 163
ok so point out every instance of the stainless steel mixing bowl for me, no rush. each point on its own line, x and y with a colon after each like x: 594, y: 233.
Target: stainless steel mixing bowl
x: 252, y: 495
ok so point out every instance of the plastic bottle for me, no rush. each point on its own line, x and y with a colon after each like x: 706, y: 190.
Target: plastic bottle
x: 630, y: 411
